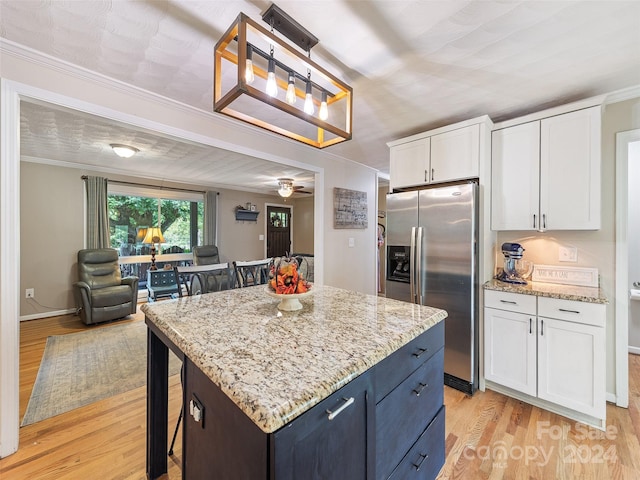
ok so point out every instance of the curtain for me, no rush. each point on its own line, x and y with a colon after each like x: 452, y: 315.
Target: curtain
x: 97, y: 213
x: 210, y: 217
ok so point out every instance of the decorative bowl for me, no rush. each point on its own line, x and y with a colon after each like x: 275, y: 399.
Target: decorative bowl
x: 288, y: 302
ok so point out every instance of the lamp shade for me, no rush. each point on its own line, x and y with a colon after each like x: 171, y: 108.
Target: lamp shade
x: 154, y: 235
x: 141, y: 234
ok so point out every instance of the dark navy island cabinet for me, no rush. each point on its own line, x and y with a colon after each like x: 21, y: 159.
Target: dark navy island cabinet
x: 386, y: 423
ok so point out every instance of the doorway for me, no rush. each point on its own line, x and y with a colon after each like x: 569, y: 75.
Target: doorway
x: 626, y: 252
x: 278, y: 231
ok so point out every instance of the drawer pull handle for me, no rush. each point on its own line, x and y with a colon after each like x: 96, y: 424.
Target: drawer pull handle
x: 509, y: 302
x: 347, y: 402
x: 420, y: 388
x: 418, y: 465
x: 568, y: 311
x: 420, y: 351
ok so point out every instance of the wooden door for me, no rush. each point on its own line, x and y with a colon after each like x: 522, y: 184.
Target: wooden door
x: 278, y: 231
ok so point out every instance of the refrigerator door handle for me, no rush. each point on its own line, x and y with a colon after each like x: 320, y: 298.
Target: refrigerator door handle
x: 418, y: 266
x: 412, y: 264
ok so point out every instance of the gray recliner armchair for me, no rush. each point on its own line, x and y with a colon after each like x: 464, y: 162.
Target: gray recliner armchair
x: 101, y: 293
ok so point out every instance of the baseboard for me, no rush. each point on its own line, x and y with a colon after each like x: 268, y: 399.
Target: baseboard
x: 634, y: 350
x: 55, y: 313
x: 611, y: 398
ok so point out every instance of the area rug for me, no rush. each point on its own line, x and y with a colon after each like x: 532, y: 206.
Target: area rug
x: 81, y: 368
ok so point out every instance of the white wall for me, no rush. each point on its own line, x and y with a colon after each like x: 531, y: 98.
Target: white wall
x: 633, y: 240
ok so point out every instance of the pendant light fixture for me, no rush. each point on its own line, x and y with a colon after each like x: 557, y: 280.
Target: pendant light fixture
x: 291, y: 90
x: 249, y: 76
x: 308, y: 98
x: 272, y: 85
x: 323, y: 114
x: 266, y: 63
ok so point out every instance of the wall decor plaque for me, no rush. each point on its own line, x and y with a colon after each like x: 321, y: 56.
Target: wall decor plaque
x: 580, y: 276
x: 349, y: 208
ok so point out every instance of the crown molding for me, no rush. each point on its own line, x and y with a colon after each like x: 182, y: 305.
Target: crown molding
x: 622, y: 95
x: 141, y: 176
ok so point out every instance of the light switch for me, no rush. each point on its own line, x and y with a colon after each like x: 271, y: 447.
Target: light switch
x: 567, y: 254
x: 352, y: 242
x: 260, y: 237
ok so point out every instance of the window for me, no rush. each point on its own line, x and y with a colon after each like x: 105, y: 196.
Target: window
x: 133, y: 209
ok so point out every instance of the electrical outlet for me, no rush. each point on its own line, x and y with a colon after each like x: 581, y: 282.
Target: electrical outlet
x: 29, y: 293
x: 568, y: 254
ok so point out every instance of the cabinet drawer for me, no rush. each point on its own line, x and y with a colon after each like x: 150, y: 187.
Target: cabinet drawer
x: 572, y: 311
x: 514, y: 302
x: 391, y: 371
x: 426, y: 457
x: 406, y: 412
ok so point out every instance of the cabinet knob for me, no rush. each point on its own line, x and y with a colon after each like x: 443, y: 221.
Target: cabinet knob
x: 347, y: 401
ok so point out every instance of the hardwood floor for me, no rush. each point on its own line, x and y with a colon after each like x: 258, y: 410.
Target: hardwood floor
x: 488, y: 436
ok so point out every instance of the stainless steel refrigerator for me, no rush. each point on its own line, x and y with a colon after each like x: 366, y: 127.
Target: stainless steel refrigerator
x: 432, y: 259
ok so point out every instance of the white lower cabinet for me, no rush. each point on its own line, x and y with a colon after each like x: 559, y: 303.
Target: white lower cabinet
x: 549, y: 349
x: 510, y: 346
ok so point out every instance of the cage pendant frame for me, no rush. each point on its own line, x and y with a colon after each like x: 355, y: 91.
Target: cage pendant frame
x: 224, y: 103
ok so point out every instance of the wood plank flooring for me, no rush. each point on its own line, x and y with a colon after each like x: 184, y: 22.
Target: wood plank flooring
x: 488, y: 436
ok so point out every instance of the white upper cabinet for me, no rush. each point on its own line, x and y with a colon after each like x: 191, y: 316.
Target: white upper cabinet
x: 515, y: 177
x: 410, y: 164
x: 442, y: 155
x: 570, y: 171
x: 456, y: 154
x: 546, y: 173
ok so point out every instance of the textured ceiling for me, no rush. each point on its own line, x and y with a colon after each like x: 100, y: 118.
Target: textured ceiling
x: 413, y: 65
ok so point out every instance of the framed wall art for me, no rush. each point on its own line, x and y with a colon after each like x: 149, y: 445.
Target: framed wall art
x: 349, y: 208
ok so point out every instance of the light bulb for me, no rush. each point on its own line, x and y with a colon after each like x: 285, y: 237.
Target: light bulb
x: 291, y: 91
x: 249, y: 77
x: 324, y: 111
x: 272, y: 86
x: 308, y: 100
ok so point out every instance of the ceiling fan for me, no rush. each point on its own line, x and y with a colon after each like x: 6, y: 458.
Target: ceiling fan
x: 286, y: 188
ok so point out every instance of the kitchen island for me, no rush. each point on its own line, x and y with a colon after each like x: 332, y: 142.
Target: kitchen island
x: 350, y: 386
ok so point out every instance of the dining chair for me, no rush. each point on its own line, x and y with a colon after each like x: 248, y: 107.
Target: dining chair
x: 197, y: 279
x: 254, y: 272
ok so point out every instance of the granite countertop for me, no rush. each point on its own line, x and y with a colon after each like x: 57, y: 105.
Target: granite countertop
x: 276, y: 365
x: 551, y: 290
